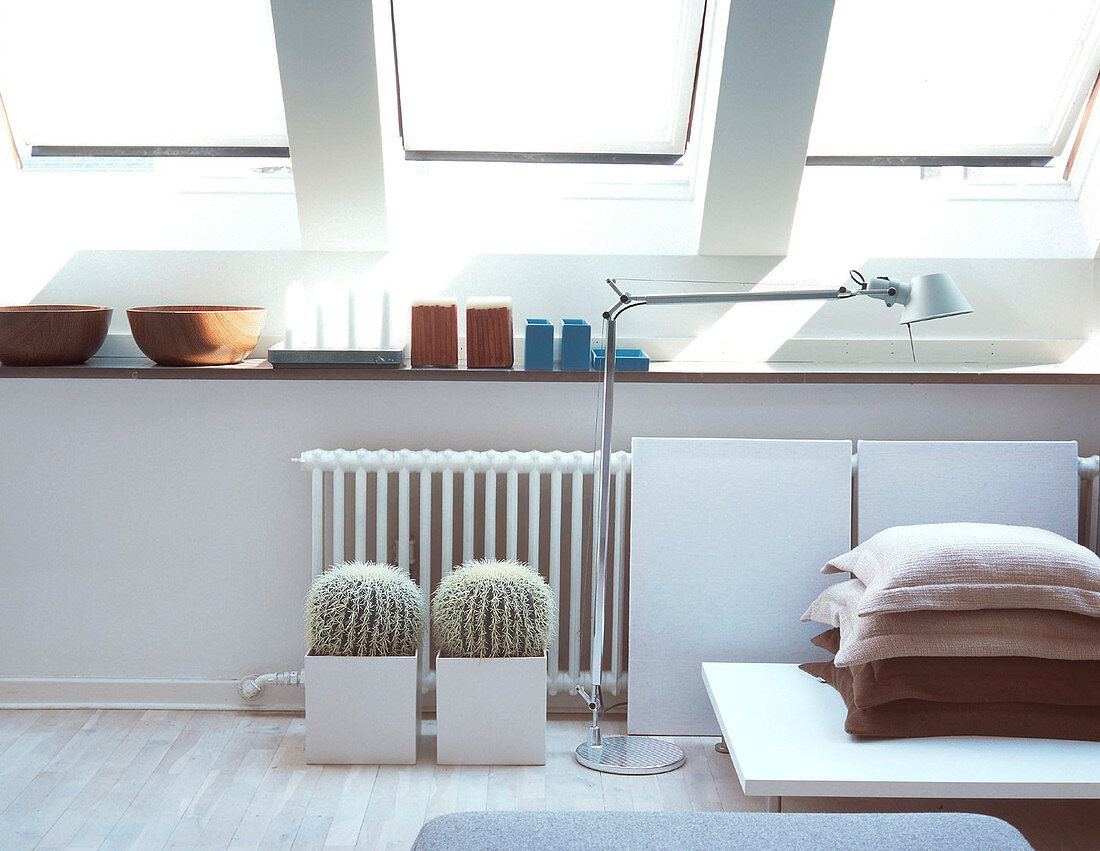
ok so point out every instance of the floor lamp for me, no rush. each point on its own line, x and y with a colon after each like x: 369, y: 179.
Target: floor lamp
x: 925, y: 297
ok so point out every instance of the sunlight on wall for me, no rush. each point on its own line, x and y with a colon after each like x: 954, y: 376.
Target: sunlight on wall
x: 755, y: 332
x: 370, y: 306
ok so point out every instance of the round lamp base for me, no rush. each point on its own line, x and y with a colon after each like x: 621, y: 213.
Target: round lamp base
x: 630, y: 755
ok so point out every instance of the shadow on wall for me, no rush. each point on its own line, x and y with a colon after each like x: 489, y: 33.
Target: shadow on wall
x: 122, y: 279
x: 545, y: 286
x: 559, y: 286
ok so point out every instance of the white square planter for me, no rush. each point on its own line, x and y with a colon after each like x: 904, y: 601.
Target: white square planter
x: 490, y: 711
x: 362, y: 710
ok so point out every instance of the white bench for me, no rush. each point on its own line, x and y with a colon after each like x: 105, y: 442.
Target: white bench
x: 785, y: 733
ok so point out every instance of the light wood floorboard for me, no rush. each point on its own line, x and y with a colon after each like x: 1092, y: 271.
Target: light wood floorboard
x: 119, y: 779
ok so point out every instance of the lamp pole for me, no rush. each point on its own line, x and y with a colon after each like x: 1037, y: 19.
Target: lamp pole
x: 642, y: 754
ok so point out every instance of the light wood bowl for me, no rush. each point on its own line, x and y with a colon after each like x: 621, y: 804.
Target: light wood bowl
x: 51, y: 334
x: 196, y: 335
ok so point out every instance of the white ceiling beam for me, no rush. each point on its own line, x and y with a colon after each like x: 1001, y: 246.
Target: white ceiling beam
x: 330, y: 95
x: 771, y: 68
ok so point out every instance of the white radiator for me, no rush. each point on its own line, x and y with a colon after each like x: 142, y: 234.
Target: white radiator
x: 455, y: 507
x: 449, y: 507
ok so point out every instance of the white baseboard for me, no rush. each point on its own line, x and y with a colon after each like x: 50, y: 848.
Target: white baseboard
x: 119, y: 693
x: 115, y: 693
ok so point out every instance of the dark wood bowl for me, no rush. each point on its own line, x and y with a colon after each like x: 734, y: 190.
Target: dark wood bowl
x: 196, y: 335
x: 51, y: 334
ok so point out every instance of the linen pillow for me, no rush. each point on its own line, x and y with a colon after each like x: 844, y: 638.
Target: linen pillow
x: 951, y: 679
x: 967, y: 566
x: 989, y: 632
x: 919, y: 718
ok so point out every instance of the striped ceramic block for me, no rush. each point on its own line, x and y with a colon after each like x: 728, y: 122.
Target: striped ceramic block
x: 489, y: 333
x: 434, y: 333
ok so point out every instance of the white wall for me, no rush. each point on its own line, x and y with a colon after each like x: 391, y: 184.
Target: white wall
x: 158, y: 529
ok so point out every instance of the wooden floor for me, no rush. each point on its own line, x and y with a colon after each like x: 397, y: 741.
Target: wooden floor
x: 150, y: 779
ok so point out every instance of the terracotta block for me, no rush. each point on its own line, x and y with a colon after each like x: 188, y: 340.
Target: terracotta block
x: 489, y: 333
x: 434, y: 333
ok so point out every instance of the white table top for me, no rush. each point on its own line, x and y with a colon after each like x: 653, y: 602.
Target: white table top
x: 785, y: 732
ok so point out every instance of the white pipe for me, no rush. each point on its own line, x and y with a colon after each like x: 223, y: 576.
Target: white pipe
x: 317, y: 553
x: 360, y: 514
x: 381, y: 505
x: 555, y: 564
x: 534, y: 526
x: 576, y: 524
x: 512, y: 524
x: 468, y: 515
x: 338, y: 517
x: 424, y: 564
x: 490, y: 521
x: 446, y: 526
x: 403, y: 519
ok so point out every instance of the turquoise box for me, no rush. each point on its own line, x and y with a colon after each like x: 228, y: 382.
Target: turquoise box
x: 626, y: 360
x: 538, y: 344
x: 576, y: 344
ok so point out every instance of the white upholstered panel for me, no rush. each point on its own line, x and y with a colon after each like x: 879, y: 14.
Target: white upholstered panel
x: 1033, y: 483
x: 727, y: 538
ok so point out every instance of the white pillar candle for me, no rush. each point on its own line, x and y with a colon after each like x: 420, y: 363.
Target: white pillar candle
x: 318, y: 324
x: 384, y: 334
x: 294, y: 315
x: 353, y: 320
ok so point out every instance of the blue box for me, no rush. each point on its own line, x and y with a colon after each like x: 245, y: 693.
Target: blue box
x: 538, y: 344
x: 626, y: 360
x: 576, y: 344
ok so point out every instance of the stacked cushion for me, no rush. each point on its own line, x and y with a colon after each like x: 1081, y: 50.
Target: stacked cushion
x: 964, y: 629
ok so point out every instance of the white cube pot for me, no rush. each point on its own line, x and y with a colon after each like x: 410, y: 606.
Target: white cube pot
x: 362, y: 710
x: 490, y: 711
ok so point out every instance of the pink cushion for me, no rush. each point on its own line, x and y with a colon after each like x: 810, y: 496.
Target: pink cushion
x: 990, y: 632
x: 967, y: 566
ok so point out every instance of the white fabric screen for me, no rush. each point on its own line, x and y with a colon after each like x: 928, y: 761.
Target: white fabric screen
x: 141, y: 72
x: 727, y: 541
x: 570, y: 76
x: 997, y: 77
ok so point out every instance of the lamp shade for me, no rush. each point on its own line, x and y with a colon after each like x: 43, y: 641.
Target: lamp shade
x: 932, y: 297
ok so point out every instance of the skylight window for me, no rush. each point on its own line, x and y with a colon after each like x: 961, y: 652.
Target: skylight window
x: 131, y: 75
x: 591, y: 80
x: 944, y: 79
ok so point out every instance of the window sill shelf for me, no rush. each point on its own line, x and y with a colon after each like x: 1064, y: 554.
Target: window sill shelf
x: 660, y: 373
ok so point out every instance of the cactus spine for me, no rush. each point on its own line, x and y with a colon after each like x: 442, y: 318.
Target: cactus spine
x: 493, y: 609
x: 364, y: 610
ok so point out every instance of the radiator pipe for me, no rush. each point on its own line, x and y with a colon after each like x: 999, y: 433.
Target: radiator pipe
x: 252, y: 688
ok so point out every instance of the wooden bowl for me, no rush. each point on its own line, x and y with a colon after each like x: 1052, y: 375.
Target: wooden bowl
x: 51, y: 334
x: 196, y: 335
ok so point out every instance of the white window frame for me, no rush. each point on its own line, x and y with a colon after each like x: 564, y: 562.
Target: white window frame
x: 168, y: 175
x: 752, y: 124
x: 1078, y: 82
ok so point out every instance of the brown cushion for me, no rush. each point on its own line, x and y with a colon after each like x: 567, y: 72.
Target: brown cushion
x: 965, y: 566
x: 948, y: 679
x: 990, y: 632
x: 917, y: 718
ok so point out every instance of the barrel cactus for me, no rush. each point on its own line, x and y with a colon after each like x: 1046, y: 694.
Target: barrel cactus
x: 364, y: 610
x: 493, y: 609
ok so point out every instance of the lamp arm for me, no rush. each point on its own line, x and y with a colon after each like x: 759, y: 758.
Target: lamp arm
x: 887, y: 290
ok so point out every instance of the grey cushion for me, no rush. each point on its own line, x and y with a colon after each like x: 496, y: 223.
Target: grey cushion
x: 755, y: 831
